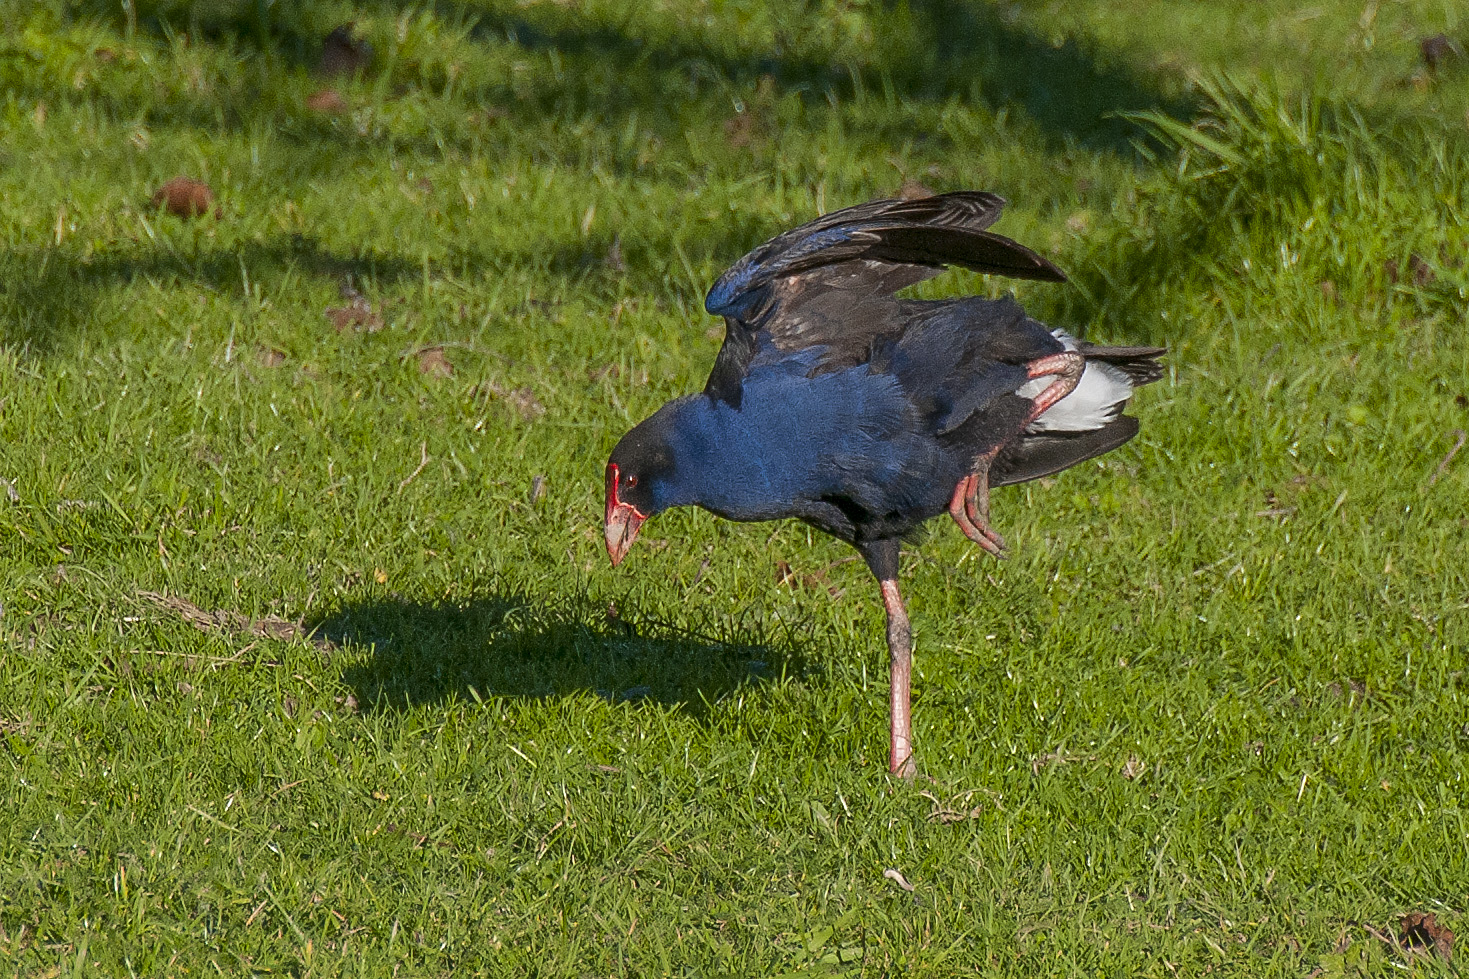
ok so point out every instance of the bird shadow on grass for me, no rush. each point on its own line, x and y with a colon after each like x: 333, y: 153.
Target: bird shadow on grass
x: 48, y: 295
x: 426, y: 652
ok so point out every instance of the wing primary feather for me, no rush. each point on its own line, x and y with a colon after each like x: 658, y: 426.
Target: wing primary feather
x: 831, y: 282
x: 946, y: 229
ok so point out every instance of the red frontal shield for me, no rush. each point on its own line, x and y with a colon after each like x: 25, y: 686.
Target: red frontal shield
x: 623, y: 520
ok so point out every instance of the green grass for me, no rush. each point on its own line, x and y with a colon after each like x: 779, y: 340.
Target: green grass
x: 1211, y: 717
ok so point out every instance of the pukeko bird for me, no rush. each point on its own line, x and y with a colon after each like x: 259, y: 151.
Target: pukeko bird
x: 863, y: 414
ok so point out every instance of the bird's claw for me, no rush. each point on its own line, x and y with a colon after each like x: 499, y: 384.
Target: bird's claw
x: 970, y: 509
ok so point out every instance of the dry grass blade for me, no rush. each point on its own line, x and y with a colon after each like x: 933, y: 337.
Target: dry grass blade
x: 422, y: 461
x: 225, y: 620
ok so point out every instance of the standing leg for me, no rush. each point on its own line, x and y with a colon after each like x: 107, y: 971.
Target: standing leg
x: 900, y: 649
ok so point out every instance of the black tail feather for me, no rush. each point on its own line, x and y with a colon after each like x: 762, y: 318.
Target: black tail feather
x: 1140, y: 364
x: 1033, y: 456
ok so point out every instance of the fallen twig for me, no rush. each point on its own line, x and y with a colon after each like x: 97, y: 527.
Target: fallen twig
x: 224, y: 620
x: 423, y: 461
x: 1458, y: 444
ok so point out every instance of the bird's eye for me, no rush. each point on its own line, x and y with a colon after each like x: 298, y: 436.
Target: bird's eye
x: 632, y: 481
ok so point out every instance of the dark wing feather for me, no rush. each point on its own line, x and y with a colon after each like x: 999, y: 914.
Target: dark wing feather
x: 830, y: 282
x: 930, y: 232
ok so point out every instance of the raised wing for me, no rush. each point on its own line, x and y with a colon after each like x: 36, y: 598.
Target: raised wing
x: 830, y: 282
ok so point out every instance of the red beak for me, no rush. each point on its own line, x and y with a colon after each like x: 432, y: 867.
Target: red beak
x: 623, y: 520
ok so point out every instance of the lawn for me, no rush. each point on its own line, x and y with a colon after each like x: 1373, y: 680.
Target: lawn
x: 311, y: 660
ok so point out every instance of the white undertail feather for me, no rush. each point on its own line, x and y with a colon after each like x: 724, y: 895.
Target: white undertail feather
x: 1099, y: 397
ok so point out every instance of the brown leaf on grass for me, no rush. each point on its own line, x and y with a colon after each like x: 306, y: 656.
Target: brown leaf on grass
x: 270, y: 356
x: 342, y: 53
x: 913, y: 190
x: 537, y: 489
x: 486, y: 116
x: 1419, y: 271
x: 523, y: 400
x: 742, y: 130
x: 224, y: 620
x: 1357, y: 688
x: 433, y: 362
x: 783, y: 572
x: 1329, y: 293
x: 1439, y: 51
x: 1056, y: 758
x: 184, y: 197
x: 1421, y: 931
x: 327, y: 101
x: 357, y: 315
x: 105, y: 55
x: 1134, y: 768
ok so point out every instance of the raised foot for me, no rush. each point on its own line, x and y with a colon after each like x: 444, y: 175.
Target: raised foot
x: 969, y: 506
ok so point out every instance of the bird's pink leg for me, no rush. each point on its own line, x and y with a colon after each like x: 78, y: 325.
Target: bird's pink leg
x: 900, y: 648
x: 977, y: 506
x: 970, y: 504
x: 1066, y: 368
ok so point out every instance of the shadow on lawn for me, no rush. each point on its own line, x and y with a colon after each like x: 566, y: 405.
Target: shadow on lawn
x: 924, y: 51
x: 47, y: 294
x: 506, y: 646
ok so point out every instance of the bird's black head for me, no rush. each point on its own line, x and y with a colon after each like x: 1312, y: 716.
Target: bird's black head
x: 639, y: 474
